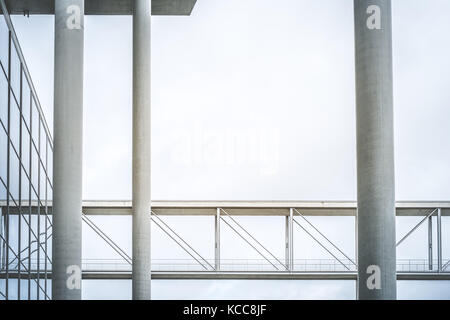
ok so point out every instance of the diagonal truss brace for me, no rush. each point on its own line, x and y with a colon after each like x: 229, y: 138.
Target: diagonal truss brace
x: 415, y: 227
x: 446, y: 265
x: 153, y: 214
x: 248, y: 242
x: 320, y: 243
x: 127, y: 258
x: 105, y: 238
x: 440, y: 266
x: 326, y: 238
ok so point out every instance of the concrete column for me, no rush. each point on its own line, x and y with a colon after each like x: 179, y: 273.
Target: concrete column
x: 141, y: 149
x: 67, y: 153
x: 375, y: 150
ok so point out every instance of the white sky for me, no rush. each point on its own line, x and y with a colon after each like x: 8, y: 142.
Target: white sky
x: 252, y: 100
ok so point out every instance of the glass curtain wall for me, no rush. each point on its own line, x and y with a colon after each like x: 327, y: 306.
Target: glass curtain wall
x: 25, y: 177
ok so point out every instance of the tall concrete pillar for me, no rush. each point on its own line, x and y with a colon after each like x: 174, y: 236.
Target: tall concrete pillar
x: 141, y: 149
x: 67, y: 153
x: 375, y: 150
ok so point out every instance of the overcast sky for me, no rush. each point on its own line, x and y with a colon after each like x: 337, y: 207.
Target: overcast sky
x: 255, y: 100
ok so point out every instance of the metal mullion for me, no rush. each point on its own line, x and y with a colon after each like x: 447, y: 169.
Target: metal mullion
x: 20, y: 189
x: 3, y: 245
x: 46, y: 216
x: 7, y: 167
x: 29, y: 199
x: 39, y: 205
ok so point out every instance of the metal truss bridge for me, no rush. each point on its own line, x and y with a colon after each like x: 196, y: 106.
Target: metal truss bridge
x: 339, y: 267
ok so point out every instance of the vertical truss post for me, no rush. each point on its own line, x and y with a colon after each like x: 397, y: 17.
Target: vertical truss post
x: 217, y: 240
x: 291, y: 239
x: 439, y: 240
x: 430, y: 243
x: 287, y: 247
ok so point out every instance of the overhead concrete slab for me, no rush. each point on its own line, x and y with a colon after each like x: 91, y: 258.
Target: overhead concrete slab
x: 103, y: 7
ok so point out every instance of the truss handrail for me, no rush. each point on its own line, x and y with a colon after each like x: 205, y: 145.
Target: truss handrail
x: 253, y: 238
x: 107, y: 239
x: 321, y: 244
x: 335, y: 246
x: 415, y: 227
x: 165, y: 224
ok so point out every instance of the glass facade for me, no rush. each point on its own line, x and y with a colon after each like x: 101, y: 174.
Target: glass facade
x: 25, y: 178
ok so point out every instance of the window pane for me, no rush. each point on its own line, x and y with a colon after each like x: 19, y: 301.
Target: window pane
x: 4, y: 33
x: 26, y: 102
x: 15, y: 74
x: 14, y: 126
x: 3, y: 154
x: 3, y: 99
x: 14, y: 174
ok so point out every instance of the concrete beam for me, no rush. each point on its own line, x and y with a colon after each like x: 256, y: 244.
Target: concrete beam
x: 103, y: 7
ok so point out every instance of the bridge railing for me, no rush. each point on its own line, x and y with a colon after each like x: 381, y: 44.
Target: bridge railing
x: 237, y: 265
